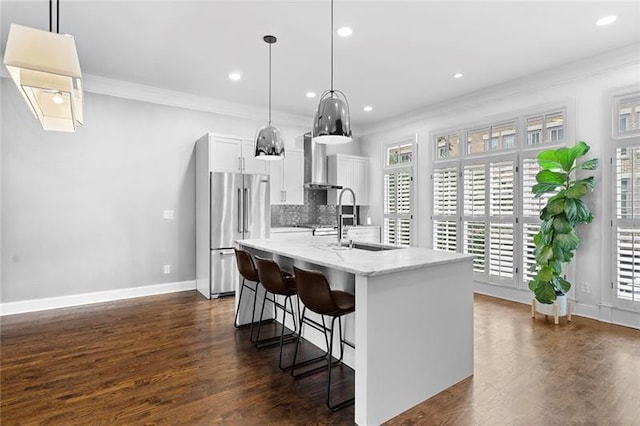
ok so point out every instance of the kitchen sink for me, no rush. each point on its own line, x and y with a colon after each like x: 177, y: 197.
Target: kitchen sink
x: 363, y: 246
x: 373, y: 247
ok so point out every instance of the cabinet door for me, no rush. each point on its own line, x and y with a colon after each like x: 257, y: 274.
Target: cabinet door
x: 250, y: 164
x: 293, y: 177
x: 225, y: 155
x: 361, y: 180
x: 275, y: 178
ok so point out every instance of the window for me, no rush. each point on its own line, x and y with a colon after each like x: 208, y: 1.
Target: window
x: 397, y: 198
x: 480, y: 198
x: 447, y: 146
x: 551, y: 125
x: 626, y: 225
x: 626, y: 115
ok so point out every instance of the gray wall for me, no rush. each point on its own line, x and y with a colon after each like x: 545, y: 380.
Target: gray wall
x: 83, y: 212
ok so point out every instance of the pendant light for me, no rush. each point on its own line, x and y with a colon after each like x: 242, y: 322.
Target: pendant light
x: 269, y: 143
x: 45, y: 67
x: 332, y: 124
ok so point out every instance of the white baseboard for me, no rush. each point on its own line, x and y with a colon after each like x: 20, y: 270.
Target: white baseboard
x: 602, y: 313
x: 34, y: 305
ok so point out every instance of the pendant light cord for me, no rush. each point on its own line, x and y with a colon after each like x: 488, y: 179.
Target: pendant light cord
x: 269, y: 84
x: 331, y: 46
x: 57, y: 16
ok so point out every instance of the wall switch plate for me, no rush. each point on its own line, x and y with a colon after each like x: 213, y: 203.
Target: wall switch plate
x: 169, y: 214
x: 167, y: 269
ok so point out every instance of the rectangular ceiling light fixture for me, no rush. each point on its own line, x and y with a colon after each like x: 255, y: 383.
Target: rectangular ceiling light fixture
x: 45, y: 67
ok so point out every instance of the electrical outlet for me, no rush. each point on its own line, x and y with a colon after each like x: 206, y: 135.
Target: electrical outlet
x: 586, y: 288
x: 168, y: 214
x: 167, y: 269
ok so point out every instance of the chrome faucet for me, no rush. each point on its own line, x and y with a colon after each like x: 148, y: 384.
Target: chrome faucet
x: 340, y: 215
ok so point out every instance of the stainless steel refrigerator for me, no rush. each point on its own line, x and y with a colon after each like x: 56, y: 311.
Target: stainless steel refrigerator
x: 239, y: 208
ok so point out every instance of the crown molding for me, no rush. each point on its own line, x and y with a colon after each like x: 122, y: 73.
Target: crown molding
x: 140, y: 92
x: 584, y: 68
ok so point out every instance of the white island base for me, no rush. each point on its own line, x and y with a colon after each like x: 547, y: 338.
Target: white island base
x: 413, y: 320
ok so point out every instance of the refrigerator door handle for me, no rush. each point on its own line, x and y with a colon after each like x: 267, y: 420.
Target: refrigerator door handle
x: 245, y: 223
x: 240, y: 221
x: 226, y: 252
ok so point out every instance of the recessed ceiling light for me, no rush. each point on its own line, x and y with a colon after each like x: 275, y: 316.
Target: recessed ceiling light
x: 235, y: 76
x: 457, y: 75
x: 311, y: 94
x: 368, y: 108
x: 344, y: 31
x: 606, y: 20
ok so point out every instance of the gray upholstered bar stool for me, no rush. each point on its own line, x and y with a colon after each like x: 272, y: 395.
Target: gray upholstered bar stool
x: 277, y: 283
x: 316, y: 295
x: 248, y: 271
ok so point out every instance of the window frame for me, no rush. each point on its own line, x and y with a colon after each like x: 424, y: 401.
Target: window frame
x: 411, y: 168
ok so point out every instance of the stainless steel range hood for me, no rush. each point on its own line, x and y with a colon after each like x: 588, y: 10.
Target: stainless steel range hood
x: 315, y: 165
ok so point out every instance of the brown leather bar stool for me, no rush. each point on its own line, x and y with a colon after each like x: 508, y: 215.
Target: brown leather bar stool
x: 276, y: 282
x: 248, y: 271
x: 316, y: 295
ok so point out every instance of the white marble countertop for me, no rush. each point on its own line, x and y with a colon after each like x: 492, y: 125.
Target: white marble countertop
x: 323, y: 251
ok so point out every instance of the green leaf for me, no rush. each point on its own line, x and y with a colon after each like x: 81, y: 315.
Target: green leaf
x: 545, y: 226
x: 570, y: 210
x: 545, y: 292
x: 565, y: 158
x: 556, y: 207
x: 547, y: 176
x: 543, y: 188
x: 590, y: 181
x: 562, y: 284
x: 589, y: 164
x: 543, y: 256
x: 561, y: 225
x: 533, y: 284
x: 578, y: 150
x: 545, y: 274
x: 557, y: 267
x: 583, y: 214
x: 537, y: 238
x: 548, y: 160
x: 567, y: 242
x: 545, y: 214
x: 533, y: 267
x: 577, y: 190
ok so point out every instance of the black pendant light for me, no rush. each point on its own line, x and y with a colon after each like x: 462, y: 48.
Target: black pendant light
x: 332, y: 124
x: 269, y: 143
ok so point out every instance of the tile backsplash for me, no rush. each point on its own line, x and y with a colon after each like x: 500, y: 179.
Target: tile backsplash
x: 314, y: 210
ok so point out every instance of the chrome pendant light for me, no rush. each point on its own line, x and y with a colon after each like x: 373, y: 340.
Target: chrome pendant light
x: 332, y: 124
x: 45, y: 67
x: 269, y: 143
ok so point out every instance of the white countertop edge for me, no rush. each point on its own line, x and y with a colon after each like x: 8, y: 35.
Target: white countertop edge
x: 360, y: 270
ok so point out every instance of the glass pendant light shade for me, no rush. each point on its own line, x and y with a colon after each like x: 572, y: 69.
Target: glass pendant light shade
x: 269, y: 143
x: 45, y: 67
x: 331, y: 124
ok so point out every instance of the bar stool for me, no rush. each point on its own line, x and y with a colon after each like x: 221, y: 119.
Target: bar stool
x: 276, y: 282
x: 316, y: 295
x: 249, y: 272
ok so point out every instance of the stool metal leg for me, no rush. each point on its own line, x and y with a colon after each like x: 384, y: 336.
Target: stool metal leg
x: 275, y: 340
x: 346, y: 402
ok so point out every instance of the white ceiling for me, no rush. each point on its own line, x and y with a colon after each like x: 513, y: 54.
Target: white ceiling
x: 400, y: 58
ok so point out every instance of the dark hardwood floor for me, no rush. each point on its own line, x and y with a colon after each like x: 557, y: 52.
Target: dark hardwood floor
x: 177, y: 359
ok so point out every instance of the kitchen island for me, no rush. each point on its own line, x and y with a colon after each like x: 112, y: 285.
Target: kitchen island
x: 413, y: 325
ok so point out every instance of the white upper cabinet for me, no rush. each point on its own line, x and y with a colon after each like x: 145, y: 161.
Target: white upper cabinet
x: 348, y: 171
x: 250, y: 163
x: 233, y: 155
x: 287, y: 178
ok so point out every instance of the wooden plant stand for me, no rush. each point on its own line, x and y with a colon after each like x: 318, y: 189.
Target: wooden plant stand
x: 556, y: 310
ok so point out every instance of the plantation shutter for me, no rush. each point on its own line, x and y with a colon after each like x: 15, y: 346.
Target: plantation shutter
x: 501, y: 219
x: 531, y: 207
x: 474, y: 210
x: 627, y: 227
x: 397, y: 208
x: 445, y: 208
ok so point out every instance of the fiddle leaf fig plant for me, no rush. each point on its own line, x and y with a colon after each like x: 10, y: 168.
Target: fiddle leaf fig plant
x: 557, y: 240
